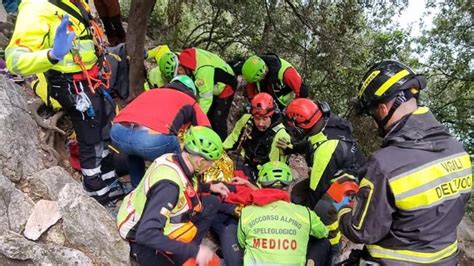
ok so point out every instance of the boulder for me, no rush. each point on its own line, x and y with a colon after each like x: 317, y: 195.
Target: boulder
x: 14, y: 205
x: 19, y: 154
x: 47, y: 183
x: 16, y: 248
x: 88, y: 226
x: 44, y: 215
x: 465, y: 232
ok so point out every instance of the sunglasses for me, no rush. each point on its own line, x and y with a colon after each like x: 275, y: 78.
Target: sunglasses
x: 273, y: 183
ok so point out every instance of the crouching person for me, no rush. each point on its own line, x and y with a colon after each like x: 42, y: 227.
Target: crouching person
x: 165, y: 218
x: 277, y: 232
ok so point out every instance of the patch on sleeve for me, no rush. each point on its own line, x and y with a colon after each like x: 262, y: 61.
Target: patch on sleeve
x: 199, y: 82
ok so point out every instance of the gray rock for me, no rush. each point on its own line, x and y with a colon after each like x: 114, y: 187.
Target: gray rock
x: 465, y: 232
x: 88, y: 226
x: 49, y: 182
x: 14, y: 247
x: 3, y: 14
x: 17, y: 205
x: 19, y: 154
x: 44, y: 215
x: 55, y: 235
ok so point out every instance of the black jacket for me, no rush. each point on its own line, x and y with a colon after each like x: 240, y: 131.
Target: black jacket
x: 412, y: 195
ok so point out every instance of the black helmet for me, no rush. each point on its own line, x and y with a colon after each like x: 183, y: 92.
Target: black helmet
x: 384, y: 81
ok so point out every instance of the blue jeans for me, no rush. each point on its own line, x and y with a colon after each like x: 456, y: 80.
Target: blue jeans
x: 140, y: 145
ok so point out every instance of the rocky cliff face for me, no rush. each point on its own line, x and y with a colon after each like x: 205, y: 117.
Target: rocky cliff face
x: 45, y: 217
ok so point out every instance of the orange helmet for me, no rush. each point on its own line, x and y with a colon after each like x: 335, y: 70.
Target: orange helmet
x: 304, y: 113
x: 262, y: 104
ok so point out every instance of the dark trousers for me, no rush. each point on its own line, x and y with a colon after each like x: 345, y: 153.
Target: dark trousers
x: 203, y: 221
x: 319, y: 251
x: 218, y: 114
x: 109, y: 13
x: 225, y: 229
x: 92, y: 132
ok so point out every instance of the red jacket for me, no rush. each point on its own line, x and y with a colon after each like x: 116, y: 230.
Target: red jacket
x: 291, y: 79
x: 164, y: 110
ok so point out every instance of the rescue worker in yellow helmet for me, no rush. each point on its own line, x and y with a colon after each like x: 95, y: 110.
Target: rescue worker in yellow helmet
x: 414, y: 190
x: 165, y: 218
x: 155, y: 78
x: 56, y: 37
x: 276, y: 232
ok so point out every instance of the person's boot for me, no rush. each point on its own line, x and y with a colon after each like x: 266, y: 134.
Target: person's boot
x: 118, y: 27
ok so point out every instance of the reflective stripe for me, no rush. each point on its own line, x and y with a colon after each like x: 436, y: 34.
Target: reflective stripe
x: 206, y: 94
x: 105, y: 152
x: 108, y: 175
x: 394, y: 79
x: 365, y: 183
x: 433, y: 183
x: 99, y: 192
x: 335, y: 240
x: 322, y: 156
x: 412, y: 256
x: 421, y: 110
x: 367, y: 82
x: 333, y: 226
x: 91, y: 172
x: 342, y: 212
x: 17, y: 52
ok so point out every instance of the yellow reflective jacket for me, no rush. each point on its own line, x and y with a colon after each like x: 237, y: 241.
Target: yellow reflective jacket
x: 34, y: 35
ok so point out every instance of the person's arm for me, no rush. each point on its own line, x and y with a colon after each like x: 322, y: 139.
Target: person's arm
x: 318, y: 229
x: 324, y: 166
x: 277, y: 154
x: 234, y: 136
x: 251, y: 90
x: 204, y: 81
x: 162, y: 198
x: 27, y: 52
x: 241, y: 235
x: 292, y: 79
x: 371, y: 218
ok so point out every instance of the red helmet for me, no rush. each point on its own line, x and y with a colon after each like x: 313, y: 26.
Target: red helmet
x: 262, y: 104
x: 304, y: 113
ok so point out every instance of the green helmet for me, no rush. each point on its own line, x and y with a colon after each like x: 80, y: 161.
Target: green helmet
x: 274, y: 174
x: 203, y: 141
x: 186, y: 81
x: 168, y: 65
x: 254, y: 69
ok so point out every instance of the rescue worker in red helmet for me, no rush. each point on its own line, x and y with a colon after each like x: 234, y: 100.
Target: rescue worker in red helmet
x: 254, y: 135
x: 414, y: 189
x: 328, y: 159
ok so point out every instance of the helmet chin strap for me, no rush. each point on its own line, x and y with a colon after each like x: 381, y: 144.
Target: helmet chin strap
x: 401, y: 98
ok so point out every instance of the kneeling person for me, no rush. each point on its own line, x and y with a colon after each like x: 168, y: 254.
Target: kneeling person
x: 277, y: 233
x: 164, y: 218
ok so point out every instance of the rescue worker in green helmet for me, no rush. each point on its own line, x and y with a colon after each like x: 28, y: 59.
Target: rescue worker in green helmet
x: 277, y: 232
x: 214, y: 78
x: 57, y: 38
x: 415, y: 188
x: 255, y: 135
x: 165, y: 217
x: 274, y: 75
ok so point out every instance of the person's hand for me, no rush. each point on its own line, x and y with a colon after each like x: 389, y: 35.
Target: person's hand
x: 241, y: 181
x: 344, y: 203
x: 204, y: 255
x: 220, y: 188
x: 62, y: 40
x: 284, y: 144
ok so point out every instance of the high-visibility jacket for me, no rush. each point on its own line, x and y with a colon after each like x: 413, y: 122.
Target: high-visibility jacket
x: 33, y: 38
x: 329, y: 158
x: 258, y: 147
x: 178, y: 224
x: 412, y: 195
x: 211, y: 74
x: 277, y: 233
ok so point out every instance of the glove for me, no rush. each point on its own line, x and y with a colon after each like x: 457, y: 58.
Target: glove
x: 62, y: 40
x: 284, y: 144
x: 345, y: 202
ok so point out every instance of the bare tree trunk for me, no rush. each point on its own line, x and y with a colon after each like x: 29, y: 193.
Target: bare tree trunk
x: 137, y: 25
